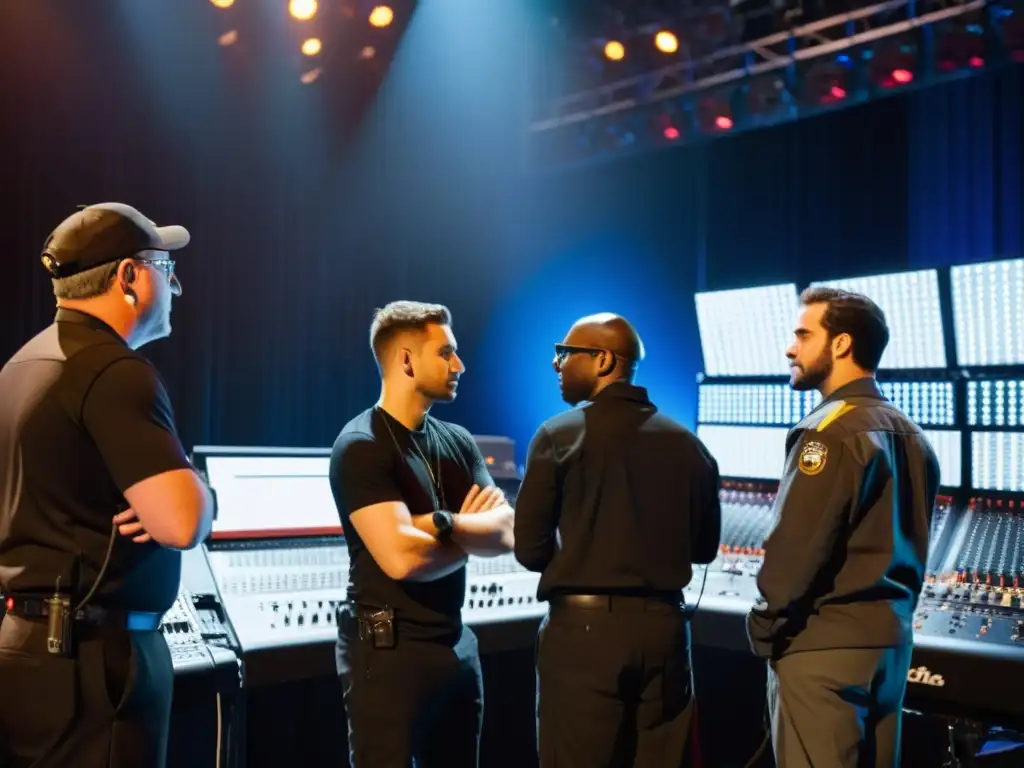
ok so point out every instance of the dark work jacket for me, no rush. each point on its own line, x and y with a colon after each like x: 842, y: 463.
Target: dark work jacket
x: 845, y: 563
x: 617, y: 497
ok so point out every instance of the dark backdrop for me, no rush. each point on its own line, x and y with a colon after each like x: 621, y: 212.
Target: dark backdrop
x: 297, y: 236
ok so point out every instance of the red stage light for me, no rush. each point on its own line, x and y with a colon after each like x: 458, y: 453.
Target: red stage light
x: 723, y: 123
x: 902, y: 76
x: 671, y: 133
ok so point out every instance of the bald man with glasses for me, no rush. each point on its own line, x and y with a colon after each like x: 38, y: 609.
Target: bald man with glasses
x: 617, y: 502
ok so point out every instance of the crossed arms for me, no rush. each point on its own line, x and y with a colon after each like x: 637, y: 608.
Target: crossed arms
x: 406, y: 546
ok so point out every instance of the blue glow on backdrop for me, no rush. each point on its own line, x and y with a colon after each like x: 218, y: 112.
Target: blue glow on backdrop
x: 614, y: 276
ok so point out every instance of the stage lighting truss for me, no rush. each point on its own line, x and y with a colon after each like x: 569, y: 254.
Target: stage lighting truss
x: 843, y: 59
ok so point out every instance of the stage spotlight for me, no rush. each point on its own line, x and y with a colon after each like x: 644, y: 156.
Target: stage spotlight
x: 960, y: 49
x: 826, y: 83
x: 714, y: 115
x: 666, y: 42
x: 303, y: 10
x: 307, y: 78
x: 381, y: 16
x: 894, y: 65
x: 312, y: 46
x: 222, y: 3
x: 666, y: 126
x: 614, y: 50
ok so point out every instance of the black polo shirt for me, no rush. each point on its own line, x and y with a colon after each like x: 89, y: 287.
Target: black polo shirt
x: 377, y: 459
x: 82, y: 418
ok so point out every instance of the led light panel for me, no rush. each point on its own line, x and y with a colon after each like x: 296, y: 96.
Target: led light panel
x: 910, y: 301
x: 997, y: 461
x: 995, y: 403
x: 946, y: 444
x: 746, y: 332
x: 748, y: 452
x: 988, y: 313
x: 753, y: 404
x: 926, y: 402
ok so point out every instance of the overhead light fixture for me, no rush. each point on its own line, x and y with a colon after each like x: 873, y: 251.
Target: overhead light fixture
x: 303, y: 10
x: 381, y: 16
x: 666, y: 42
x: 614, y: 50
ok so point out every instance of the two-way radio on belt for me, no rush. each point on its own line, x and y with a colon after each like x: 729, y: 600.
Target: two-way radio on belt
x: 61, y: 615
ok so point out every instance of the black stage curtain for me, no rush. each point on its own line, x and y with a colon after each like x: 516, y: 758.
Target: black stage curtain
x: 296, y: 239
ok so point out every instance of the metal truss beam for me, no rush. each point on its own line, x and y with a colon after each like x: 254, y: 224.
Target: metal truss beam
x: 803, y: 43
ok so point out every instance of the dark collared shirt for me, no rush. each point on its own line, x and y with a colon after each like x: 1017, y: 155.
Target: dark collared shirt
x: 82, y: 419
x: 845, y: 563
x: 617, y: 497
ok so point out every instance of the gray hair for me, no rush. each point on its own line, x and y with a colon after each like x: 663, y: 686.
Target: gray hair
x: 86, y: 284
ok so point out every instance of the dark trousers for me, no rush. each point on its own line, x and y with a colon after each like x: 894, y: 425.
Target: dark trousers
x: 614, y: 688
x: 109, y: 707
x: 421, y: 701
x: 838, y: 708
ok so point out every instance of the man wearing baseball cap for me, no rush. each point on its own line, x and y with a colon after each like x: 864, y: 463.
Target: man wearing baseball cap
x: 96, y: 497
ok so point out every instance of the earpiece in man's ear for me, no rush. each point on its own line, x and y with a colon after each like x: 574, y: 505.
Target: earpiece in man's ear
x: 129, y: 277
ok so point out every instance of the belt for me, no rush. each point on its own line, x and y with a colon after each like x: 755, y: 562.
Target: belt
x: 613, y: 603
x: 34, y: 608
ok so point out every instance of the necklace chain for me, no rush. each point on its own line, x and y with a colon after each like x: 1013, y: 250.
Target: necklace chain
x: 437, y: 492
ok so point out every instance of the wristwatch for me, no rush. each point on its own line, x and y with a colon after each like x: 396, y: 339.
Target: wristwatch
x: 443, y: 522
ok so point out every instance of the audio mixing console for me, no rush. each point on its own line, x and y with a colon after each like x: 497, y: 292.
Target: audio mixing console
x: 196, y: 628
x: 969, y: 626
x: 208, y: 713
x: 286, y: 592
x: 279, y: 557
x: 281, y: 592
x: 499, y: 589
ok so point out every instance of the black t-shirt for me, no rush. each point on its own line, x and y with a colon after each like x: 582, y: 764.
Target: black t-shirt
x: 82, y: 419
x: 376, y: 459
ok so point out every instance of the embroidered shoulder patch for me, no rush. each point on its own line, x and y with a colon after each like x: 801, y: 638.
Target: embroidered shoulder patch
x: 812, y: 457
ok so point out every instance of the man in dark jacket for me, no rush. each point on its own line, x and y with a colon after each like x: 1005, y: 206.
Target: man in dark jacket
x: 845, y: 562
x: 617, y: 501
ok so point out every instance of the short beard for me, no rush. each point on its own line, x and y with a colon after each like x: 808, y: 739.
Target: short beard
x: 575, y: 392
x: 805, y: 379
x: 442, y: 394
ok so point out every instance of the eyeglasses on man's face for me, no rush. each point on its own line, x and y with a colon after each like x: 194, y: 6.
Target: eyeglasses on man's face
x: 564, y: 351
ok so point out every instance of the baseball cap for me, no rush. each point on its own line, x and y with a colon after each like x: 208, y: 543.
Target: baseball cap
x: 102, y: 234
